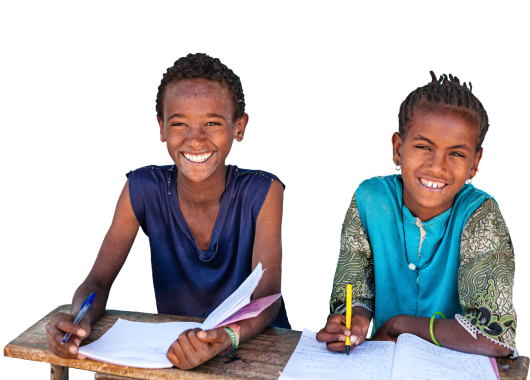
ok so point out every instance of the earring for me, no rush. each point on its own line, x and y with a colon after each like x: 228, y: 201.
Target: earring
x: 469, y: 181
x: 398, y: 167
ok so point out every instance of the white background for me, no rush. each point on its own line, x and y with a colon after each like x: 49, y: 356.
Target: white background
x: 323, y: 83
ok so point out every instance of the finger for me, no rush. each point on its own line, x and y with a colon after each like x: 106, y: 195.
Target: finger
x: 173, y: 358
x: 336, y: 347
x: 69, y: 327
x: 212, y: 336
x: 324, y: 336
x: 54, y: 337
x: 337, y: 326
x: 200, y: 349
x: 359, y: 328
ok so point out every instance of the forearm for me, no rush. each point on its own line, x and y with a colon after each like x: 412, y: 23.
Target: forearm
x: 449, y: 333
x: 97, y: 309
x: 253, y: 326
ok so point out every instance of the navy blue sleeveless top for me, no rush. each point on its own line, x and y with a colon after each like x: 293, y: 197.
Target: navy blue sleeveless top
x: 188, y: 281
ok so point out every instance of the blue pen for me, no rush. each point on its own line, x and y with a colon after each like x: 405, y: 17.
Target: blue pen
x: 82, y: 312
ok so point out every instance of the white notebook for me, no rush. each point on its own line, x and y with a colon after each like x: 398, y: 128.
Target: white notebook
x: 409, y: 358
x: 145, y: 345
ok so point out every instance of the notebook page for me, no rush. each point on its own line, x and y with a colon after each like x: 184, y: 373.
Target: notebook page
x: 418, y: 359
x: 311, y: 360
x: 137, y: 344
x: 236, y: 301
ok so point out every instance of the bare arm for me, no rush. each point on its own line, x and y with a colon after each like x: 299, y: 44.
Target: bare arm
x: 111, y: 257
x: 195, y: 347
x: 449, y: 333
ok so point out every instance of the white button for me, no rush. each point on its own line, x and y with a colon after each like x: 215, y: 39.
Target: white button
x: 412, y: 266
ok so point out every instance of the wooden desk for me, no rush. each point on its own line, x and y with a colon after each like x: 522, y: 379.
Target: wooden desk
x: 259, y: 358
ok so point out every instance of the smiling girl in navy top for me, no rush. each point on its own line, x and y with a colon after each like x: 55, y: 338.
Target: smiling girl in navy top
x: 208, y: 224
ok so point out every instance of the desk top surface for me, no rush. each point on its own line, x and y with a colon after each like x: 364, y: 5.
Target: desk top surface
x: 260, y: 358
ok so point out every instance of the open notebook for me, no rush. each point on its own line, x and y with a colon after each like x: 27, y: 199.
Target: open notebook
x: 409, y: 358
x: 144, y: 345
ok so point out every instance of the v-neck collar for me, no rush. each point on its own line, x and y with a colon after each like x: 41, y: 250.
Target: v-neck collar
x: 219, y: 222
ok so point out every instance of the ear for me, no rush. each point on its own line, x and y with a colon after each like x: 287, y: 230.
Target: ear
x: 476, y: 161
x: 397, y: 144
x: 161, y: 125
x: 241, y: 125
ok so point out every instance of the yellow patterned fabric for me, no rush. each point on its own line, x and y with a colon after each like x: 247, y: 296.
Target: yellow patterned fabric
x: 485, y: 275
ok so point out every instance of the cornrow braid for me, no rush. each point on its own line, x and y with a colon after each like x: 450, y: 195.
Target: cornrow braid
x: 202, y: 66
x: 445, y: 94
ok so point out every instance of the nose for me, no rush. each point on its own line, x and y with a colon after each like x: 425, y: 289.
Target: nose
x: 195, y: 137
x: 438, y: 164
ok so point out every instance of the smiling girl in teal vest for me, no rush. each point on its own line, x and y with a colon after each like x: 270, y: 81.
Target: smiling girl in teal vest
x: 425, y: 241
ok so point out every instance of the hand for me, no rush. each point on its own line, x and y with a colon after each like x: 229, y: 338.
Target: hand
x: 388, y: 332
x: 61, y: 324
x: 335, y: 332
x: 194, y: 347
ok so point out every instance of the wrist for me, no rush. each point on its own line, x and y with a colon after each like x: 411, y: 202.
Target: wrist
x: 232, y: 331
x: 395, y: 325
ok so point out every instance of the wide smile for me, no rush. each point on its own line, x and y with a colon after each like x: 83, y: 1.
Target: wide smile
x: 200, y: 158
x: 431, y: 185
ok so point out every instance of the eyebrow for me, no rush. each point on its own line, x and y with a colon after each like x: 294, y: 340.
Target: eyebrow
x: 459, y: 146
x: 181, y: 115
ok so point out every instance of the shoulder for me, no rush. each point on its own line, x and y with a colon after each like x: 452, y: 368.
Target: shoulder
x: 486, y: 234
x: 379, y: 185
x: 251, y: 179
x: 151, y: 175
x: 151, y: 171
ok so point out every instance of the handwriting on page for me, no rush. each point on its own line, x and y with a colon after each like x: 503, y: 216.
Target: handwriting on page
x: 311, y: 360
x: 417, y: 358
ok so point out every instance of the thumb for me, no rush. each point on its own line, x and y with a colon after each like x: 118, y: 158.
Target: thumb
x: 212, y: 336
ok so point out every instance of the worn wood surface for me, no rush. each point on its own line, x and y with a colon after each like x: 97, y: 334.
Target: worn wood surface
x: 58, y: 372
x: 513, y: 369
x: 259, y: 358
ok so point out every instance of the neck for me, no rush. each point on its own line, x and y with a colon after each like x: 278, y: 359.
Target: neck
x: 200, y: 194
x: 418, y: 211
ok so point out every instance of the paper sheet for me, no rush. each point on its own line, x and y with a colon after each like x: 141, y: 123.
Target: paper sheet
x: 311, y: 360
x: 137, y: 344
x: 236, y: 301
x: 419, y: 359
x: 252, y: 310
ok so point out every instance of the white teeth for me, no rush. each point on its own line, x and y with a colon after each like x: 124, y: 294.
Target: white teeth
x: 434, y: 185
x: 197, y: 157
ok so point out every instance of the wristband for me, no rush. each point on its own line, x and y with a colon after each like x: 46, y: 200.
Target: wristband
x: 432, y: 322
x: 233, y: 332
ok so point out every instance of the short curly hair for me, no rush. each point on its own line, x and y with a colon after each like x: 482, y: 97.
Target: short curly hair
x: 445, y: 94
x: 201, y: 65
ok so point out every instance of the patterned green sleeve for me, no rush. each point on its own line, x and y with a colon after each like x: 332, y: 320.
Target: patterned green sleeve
x: 485, y: 276
x: 355, y: 266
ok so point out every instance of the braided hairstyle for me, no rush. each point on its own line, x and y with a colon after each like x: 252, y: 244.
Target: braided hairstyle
x: 201, y: 65
x: 445, y: 95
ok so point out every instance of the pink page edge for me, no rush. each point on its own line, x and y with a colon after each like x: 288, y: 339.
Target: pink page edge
x: 495, y: 368
x: 251, y: 310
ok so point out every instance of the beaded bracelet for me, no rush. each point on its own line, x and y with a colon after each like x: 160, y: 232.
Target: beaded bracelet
x: 432, y: 322
x: 233, y: 332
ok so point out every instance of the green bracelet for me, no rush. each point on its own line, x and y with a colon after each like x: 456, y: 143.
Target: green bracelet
x: 432, y: 322
x: 233, y: 333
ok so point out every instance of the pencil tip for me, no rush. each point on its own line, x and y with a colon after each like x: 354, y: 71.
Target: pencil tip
x: 347, y: 350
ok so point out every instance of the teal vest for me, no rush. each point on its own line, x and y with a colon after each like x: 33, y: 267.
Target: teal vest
x: 399, y: 290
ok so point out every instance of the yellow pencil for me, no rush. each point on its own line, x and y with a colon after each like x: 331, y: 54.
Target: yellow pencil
x: 348, y: 316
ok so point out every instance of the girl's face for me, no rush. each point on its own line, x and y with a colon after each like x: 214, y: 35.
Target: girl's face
x: 198, y: 127
x: 437, y: 156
